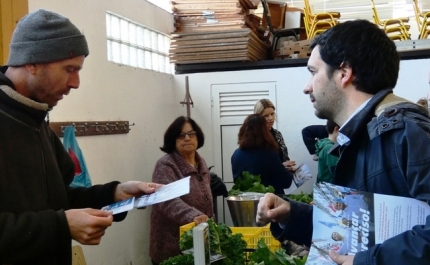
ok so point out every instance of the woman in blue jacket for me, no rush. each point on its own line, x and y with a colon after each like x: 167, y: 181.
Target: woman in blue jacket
x: 258, y: 154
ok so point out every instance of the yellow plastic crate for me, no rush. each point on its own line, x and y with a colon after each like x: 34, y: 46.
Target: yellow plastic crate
x: 250, y: 234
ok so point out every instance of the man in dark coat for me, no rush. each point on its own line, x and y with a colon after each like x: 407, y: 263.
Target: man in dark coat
x: 39, y: 213
x: 382, y: 144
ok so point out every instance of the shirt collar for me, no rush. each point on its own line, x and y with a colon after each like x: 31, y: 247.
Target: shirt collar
x: 343, y: 139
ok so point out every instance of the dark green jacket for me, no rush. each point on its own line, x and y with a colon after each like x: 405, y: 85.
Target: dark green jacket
x: 326, y: 162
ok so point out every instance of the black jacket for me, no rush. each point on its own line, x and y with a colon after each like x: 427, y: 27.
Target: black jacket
x: 35, y: 171
x: 389, y: 154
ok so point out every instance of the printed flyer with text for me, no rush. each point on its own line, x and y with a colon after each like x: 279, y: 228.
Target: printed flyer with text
x: 348, y: 221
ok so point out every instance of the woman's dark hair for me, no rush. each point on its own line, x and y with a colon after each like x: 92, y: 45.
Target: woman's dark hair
x: 175, y: 129
x: 254, y: 134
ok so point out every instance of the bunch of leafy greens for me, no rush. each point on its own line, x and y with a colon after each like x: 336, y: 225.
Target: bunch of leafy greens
x: 249, y: 183
x: 222, y: 241
x: 186, y: 259
x: 302, y: 197
x: 264, y: 256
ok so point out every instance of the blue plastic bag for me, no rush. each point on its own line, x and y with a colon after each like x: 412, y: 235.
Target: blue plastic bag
x: 82, y: 177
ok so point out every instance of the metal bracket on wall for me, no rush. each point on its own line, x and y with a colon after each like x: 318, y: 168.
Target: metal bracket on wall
x: 88, y: 128
x: 410, y: 45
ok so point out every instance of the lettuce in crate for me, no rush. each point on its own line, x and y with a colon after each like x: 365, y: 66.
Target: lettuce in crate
x: 222, y: 241
x: 249, y: 183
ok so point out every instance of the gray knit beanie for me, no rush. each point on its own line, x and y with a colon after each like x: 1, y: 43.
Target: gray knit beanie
x: 43, y: 37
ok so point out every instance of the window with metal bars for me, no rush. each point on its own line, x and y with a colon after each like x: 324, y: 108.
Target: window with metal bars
x: 130, y: 43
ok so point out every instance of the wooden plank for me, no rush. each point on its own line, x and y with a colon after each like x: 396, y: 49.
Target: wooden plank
x: 209, y: 48
x: 205, y: 12
x: 257, y: 54
x: 211, y: 34
x: 209, y: 25
x: 214, y: 16
x: 248, y: 4
x: 208, y: 41
x: 234, y: 59
x: 173, y: 48
x: 207, y: 6
x: 213, y: 28
x: 211, y: 20
x: 211, y: 54
x: 215, y: 60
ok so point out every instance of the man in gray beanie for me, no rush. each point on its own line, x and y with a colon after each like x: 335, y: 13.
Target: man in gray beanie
x: 44, y: 37
x: 39, y: 213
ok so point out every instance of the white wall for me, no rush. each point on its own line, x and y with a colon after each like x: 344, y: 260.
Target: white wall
x: 113, y: 92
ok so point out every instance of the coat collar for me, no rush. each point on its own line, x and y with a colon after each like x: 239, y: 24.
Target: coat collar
x: 17, y: 104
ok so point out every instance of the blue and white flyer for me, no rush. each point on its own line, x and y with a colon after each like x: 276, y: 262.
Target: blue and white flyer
x: 348, y: 221
x: 165, y: 193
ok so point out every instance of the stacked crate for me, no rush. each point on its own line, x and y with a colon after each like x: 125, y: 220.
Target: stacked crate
x: 216, y: 31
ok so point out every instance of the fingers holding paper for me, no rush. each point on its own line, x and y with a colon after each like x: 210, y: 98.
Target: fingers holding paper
x: 87, y: 226
x: 134, y: 188
x: 341, y: 259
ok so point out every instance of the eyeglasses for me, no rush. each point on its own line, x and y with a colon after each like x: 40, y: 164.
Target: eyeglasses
x: 191, y: 134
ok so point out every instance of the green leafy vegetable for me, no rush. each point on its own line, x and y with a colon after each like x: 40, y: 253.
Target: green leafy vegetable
x: 264, y: 256
x: 302, y: 197
x: 222, y: 241
x: 249, y: 183
x: 186, y: 259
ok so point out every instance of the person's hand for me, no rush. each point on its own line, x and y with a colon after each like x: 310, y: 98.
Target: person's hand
x: 290, y: 165
x: 134, y: 188
x: 200, y: 219
x: 272, y: 208
x: 341, y: 259
x: 87, y: 226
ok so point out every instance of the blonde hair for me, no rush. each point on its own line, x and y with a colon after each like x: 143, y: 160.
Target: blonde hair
x: 263, y: 104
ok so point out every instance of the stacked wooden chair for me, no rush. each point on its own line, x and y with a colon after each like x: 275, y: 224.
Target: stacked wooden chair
x: 277, y: 33
x: 423, y: 21
x: 318, y: 23
x: 395, y: 28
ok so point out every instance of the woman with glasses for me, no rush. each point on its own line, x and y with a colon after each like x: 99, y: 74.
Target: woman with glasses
x: 266, y: 108
x: 181, y: 141
x: 258, y: 154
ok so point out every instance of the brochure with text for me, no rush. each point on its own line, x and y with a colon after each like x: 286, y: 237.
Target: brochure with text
x: 300, y: 176
x: 349, y: 221
x: 165, y: 193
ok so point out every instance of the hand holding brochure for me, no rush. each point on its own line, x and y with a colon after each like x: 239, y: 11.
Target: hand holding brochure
x: 300, y: 176
x: 349, y: 221
x: 165, y: 193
